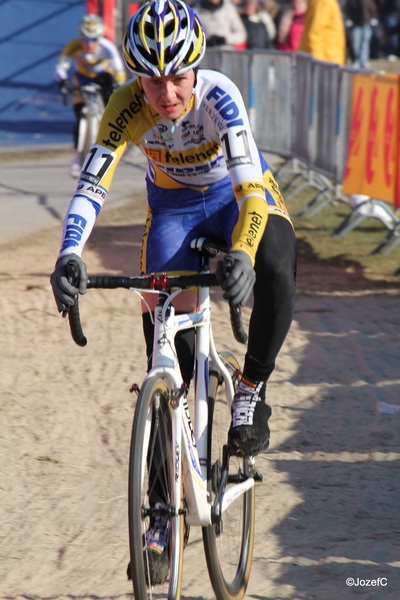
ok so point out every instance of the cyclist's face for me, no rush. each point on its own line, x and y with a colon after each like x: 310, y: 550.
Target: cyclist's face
x: 90, y: 46
x: 169, y: 95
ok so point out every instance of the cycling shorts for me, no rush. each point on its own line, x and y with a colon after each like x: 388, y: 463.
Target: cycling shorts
x: 178, y: 216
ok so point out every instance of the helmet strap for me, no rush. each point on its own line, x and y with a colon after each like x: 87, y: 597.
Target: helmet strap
x: 195, y: 77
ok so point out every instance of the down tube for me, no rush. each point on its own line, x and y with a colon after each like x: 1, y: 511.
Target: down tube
x: 202, y: 359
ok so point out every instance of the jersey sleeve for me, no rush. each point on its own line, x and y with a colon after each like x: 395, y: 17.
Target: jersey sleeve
x: 115, y: 61
x: 65, y: 59
x: 228, y: 115
x: 92, y: 189
x: 120, y: 74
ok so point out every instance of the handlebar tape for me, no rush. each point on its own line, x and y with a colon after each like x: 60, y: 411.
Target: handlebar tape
x: 73, y: 312
x: 113, y: 282
x: 237, y: 323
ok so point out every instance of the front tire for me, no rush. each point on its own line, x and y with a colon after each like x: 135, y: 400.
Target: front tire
x: 91, y: 131
x: 228, y: 546
x: 151, y: 471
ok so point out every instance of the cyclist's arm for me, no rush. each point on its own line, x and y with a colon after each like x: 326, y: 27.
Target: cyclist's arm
x: 92, y: 189
x: 91, y: 192
x: 120, y: 74
x: 64, y: 60
x: 117, y: 66
x: 245, y: 170
x: 250, y: 227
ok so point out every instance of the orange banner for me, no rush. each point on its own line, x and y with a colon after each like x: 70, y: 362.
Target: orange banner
x: 373, y: 153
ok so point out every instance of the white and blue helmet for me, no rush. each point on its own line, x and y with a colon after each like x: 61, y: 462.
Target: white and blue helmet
x: 164, y: 37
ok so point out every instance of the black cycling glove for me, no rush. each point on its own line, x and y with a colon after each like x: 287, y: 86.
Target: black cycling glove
x: 63, y: 84
x: 236, y: 276
x: 63, y: 289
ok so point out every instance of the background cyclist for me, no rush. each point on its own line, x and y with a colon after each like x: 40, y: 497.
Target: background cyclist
x: 95, y: 59
x: 205, y: 177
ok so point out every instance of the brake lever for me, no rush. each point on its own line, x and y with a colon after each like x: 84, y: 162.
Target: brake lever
x: 73, y: 279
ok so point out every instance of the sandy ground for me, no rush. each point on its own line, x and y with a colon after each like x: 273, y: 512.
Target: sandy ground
x: 328, y: 508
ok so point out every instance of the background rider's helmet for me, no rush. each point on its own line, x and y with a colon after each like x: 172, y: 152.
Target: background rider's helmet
x: 163, y: 37
x: 92, y: 27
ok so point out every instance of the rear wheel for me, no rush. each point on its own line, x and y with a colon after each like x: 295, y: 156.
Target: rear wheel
x: 151, y: 470
x: 228, y: 545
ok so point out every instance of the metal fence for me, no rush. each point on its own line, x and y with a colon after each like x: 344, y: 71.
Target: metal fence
x: 299, y: 107
x: 300, y: 110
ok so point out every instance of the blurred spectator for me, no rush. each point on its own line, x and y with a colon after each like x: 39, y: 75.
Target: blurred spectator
x: 291, y: 26
x: 275, y: 10
x: 394, y: 37
x: 323, y: 32
x: 350, y: 54
x: 361, y: 15
x: 390, y: 10
x: 375, y: 48
x: 222, y: 23
x: 259, y: 25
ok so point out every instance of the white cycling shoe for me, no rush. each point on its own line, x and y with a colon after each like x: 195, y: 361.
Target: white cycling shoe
x: 76, y: 165
x: 248, y: 434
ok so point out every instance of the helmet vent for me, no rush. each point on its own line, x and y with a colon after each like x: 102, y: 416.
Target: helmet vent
x: 170, y: 56
x: 145, y: 54
x: 188, y: 53
x: 149, y: 30
x: 169, y: 28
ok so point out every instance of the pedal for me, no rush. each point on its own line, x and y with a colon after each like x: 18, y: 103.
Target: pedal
x: 255, y: 474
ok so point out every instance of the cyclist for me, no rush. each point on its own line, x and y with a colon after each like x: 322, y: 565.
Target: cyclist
x: 96, y: 59
x: 205, y: 177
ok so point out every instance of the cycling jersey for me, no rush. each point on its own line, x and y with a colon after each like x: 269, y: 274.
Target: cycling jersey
x: 209, y: 146
x: 104, y: 59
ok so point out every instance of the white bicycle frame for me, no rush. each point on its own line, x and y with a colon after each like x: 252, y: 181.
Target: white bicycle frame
x: 190, y: 444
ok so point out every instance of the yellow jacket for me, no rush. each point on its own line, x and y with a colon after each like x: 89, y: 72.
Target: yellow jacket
x: 323, y: 33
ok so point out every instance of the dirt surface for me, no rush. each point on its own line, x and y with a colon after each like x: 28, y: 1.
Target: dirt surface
x: 328, y: 508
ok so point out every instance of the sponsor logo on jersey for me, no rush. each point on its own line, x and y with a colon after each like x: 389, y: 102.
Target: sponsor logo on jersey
x: 192, y: 134
x: 223, y: 107
x: 74, y: 231
x: 188, y: 171
x: 96, y: 192
x: 254, y: 227
x: 176, y: 172
x: 154, y: 154
x: 117, y: 127
x: 246, y: 188
x: 199, y: 157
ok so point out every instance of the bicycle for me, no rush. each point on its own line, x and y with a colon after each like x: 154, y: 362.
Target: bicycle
x: 91, y: 114
x: 187, y: 464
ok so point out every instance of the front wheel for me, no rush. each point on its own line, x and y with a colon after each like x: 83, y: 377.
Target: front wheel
x: 228, y: 545
x: 92, y: 129
x: 150, y: 497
